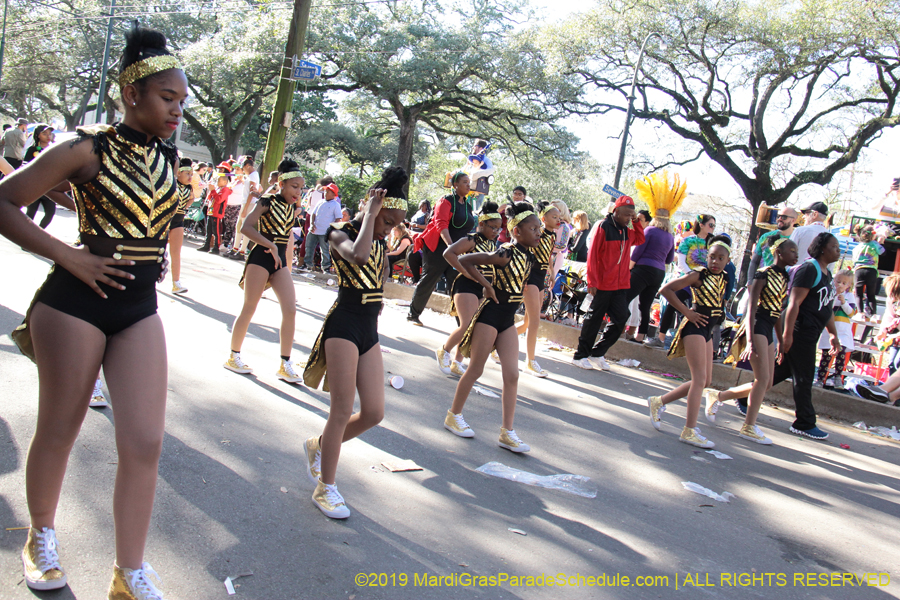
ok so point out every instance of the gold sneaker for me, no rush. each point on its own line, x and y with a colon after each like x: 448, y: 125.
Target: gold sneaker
x: 533, y: 368
x: 98, y: 400
x: 754, y: 434
x: 313, y: 459
x: 495, y: 357
x: 287, y: 373
x: 234, y: 363
x: 712, y: 404
x: 510, y: 441
x: 40, y: 560
x: 329, y: 500
x: 457, y: 368
x: 178, y: 288
x: 134, y: 584
x: 456, y: 425
x: 694, y: 438
x: 657, y: 408
x: 444, y: 360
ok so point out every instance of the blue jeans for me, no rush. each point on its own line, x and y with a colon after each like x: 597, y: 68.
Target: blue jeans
x: 313, y: 240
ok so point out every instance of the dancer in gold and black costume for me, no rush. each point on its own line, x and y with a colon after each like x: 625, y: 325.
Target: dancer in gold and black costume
x: 466, y: 293
x: 176, y: 230
x: 268, y: 228
x: 98, y: 307
x: 493, y: 326
x: 694, y: 337
x: 347, y: 354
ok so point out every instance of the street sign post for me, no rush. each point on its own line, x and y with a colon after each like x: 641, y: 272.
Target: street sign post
x: 305, y: 70
x: 608, y: 189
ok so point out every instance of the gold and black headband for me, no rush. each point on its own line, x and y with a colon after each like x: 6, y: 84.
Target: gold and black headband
x: 147, y: 67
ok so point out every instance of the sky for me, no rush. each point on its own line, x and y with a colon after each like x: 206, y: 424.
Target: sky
x: 599, y: 136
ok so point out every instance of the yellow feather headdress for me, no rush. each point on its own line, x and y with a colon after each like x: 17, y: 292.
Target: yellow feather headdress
x: 662, y: 192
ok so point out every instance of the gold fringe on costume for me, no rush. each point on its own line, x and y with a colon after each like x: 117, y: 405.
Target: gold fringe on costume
x: 21, y: 335
x: 738, y: 345
x: 316, y: 369
x: 465, y: 346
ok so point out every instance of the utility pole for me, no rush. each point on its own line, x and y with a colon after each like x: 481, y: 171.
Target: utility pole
x: 101, y: 95
x: 3, y: 37
x: 284, y: 99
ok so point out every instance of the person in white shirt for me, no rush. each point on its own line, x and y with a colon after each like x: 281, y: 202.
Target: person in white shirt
x: 815, y: 214
x: 323, y: 215
x: 247, y: 192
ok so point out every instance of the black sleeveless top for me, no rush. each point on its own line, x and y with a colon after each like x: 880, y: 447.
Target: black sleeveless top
x: 367, y: 277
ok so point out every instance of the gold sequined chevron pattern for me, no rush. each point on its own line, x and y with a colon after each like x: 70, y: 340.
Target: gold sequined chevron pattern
x: 185, y: 198
x: 135, y: 194
x: 482, y: 244
x: 278, y: 220
x: 369, y: 276
x: 511, y: 277
x: 772, y: 296
x: 710, y: 291
x: 543, y: 250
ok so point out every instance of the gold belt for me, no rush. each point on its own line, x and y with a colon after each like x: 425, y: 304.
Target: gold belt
x: 146, y: 254
x: 369, y: 297
x: 516, y: 299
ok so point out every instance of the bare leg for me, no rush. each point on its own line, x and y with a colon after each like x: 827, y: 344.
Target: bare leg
x: 483, y: 338
x: 532, y: 320
x: 699, y: 357
x: 68, y: 352
x: 369, y: 376
x: 508, y: 351
x: 136, y: 374
x: 176, y: 240
x: 255, y: 279
x: 283, y: 286
x: 763, y: 364
x: 466, y: 305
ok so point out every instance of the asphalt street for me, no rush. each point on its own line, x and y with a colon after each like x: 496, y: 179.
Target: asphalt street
x: 233, y: 497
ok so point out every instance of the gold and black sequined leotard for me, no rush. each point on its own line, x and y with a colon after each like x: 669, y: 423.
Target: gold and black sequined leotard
x: 276, y: 223
x: 368, y: 277
x: 462, y: 283
x: 510, y: 279
x: 707, y: 301
x: 771, y: 298
x: 360, y: 294
x: 544, y: 249
x: 185, y: 198
x: 135, y: 194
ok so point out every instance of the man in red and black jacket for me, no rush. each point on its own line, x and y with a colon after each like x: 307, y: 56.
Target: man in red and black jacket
x: 608, y: 278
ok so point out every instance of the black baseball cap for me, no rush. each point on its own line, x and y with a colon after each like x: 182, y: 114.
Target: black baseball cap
x: 819, y: 207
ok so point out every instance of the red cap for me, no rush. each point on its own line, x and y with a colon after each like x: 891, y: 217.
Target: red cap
x: 333, y: 187
x: 624, y: 201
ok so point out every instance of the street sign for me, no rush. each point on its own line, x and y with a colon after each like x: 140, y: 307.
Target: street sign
x: 303, y: 69
x: 608, y: 189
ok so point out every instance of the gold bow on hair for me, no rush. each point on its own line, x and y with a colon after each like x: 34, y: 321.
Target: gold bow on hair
x: 518, y: 219
x: 147, y: 67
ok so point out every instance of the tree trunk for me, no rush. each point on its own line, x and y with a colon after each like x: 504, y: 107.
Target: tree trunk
x: 407, y: 142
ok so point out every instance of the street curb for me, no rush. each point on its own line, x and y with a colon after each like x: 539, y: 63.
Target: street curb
x: 844, y: 407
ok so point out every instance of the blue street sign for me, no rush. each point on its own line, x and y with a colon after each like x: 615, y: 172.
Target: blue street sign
x: 303, y: 69
x: 608, y: 189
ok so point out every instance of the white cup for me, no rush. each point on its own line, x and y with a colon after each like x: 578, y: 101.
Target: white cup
x: 396, y: 382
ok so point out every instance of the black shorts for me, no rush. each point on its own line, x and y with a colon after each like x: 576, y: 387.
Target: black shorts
x: 177, y: 221
x: 355, y: 322
x: 464, y: 285
x: 499, y: 316
x: 764, y: 326
x: 260, y: 256
x: 538, y: 277
x: 691, y: 329
x: 119, y: 311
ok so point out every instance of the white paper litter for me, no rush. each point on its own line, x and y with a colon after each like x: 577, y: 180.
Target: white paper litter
x: 484, y: 392
x: 519, y: 531
x: 719, y: 455
x: 699, y: 489
x: 699, y: 459
x: 574, y: 484
x: 629, y: 362
x: 229, y: 587
x: 879, y: 430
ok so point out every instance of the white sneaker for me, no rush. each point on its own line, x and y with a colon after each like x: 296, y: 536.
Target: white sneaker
x: 533, y: 368
x: 583, y: 363
x: 457, y: 368
x: 236, y: 364
x: 287, y: 373
x: 178, y: 288
x: 98, y: 400
x: 599, y: 363
x: 443, y: 358
x: 495, y: 357
x: 712, y: 404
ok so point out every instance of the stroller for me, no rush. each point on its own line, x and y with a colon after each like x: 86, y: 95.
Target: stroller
x: 566, y: 297
x: 195, y: 221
